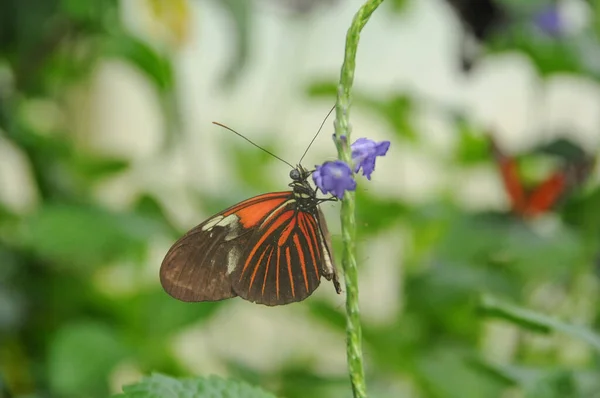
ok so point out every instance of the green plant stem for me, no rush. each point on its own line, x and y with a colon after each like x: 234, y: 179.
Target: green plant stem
x: 342, y: 135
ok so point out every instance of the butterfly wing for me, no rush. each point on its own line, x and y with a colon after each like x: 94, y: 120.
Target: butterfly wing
x: 545, y: 195
x: 509, y: 173
x: 550, y: 191
x: 198, y: 266
x: 285, y: 258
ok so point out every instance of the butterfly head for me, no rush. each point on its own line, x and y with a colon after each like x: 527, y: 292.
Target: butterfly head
x: 303, y: 192
x: 299, y: 174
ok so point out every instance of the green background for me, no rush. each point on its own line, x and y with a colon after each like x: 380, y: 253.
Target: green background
x: 486, y: 305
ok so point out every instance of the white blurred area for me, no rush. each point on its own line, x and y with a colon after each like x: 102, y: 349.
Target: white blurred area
x: 117, y: 112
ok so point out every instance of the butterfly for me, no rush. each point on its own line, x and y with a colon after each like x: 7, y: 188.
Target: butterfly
x: 543, y: 197
x: 271, y: 249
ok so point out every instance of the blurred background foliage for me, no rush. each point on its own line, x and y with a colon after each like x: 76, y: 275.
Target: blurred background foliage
x: 480, y: 302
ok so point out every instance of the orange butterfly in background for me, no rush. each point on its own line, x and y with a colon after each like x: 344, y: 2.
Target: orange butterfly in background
x: 530, y: 203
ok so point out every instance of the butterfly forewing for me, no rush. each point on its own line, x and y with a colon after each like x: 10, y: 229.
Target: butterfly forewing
x: 509, y: 172
x: 198, y: 266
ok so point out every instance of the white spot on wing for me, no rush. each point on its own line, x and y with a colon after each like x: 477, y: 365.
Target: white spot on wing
x: 211, y: 223
x: 232, y: 218
x: 231, y: 222
x: 233, y: 257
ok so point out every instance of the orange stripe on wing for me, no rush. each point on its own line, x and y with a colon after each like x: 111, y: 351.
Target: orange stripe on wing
x: 256, y: 269
x: 267, y: 272
x: 302, y: 263
x: 252, y: 215
x: 309, y: 242
x: 257, y: 199
x: 289, y: 263
x: 276, y: 224
x: 311, y: 223
x: 286, y: 232
x: 277, y: 273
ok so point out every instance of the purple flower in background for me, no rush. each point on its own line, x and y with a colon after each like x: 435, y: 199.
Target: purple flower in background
x: 549, y: 21
x: 334, y: 177
x: 364, y: 153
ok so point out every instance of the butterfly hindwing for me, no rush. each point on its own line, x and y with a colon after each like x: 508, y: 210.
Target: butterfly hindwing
x: 559, y: 185
x: 284, y: 260
x: 198, y: 266
x: 545, y: 195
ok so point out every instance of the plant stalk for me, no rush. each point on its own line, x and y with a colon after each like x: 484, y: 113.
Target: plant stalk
x: 342, y: 140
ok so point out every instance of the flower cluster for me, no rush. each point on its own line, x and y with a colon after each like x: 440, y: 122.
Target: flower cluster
x: 336, y: 177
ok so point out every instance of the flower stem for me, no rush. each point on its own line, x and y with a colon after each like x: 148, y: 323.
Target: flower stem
x: 342, y: 128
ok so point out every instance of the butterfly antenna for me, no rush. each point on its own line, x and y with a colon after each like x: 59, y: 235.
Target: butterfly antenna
x: 316, y: 135
x: 256, y: 145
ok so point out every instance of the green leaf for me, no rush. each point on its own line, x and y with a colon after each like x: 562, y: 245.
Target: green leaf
x: 141, y: 311
x: 85, y: 235
x: 584, y: 212
x: 544, y: 381
x: 374, y: 214
x: 446, y: 374
x: 252, y: 165
x: 328, y: 314
x: 558, y: 384
x: 299, y: 381
x: 483, y: 238
x: 532, y: 320
x: 95, y: 168
x: 509, y: 375
x: 81, y: 355
x: 398, y: 111
x: 241, y: 15
x: 455, y: 283
x: 148, y: 206
x: 472, y: 147
x: 155, y: 66
x: 90, y: 13
x: 160, y: 386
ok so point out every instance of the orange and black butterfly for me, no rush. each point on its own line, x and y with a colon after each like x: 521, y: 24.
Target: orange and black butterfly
x: 530, y: 203
x: 271, y: 249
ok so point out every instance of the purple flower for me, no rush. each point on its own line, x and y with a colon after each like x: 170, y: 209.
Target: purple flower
x: 364, y: 153
x: 549, y: 21
x: 334, y: 177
